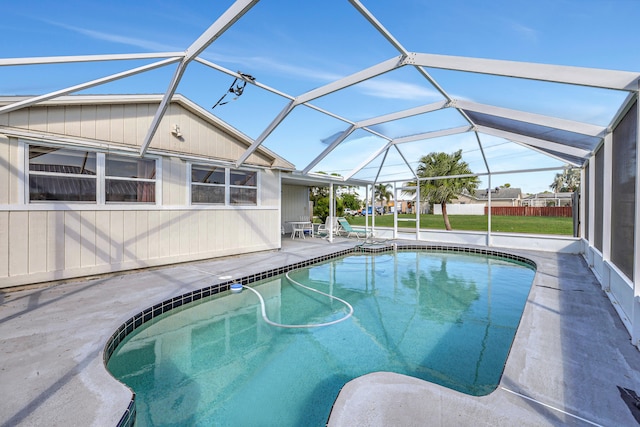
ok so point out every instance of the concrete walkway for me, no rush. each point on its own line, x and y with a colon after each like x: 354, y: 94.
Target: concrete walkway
x: 570, y: 353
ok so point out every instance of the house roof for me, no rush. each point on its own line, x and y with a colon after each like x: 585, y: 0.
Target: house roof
x: 373, y: 141
x: 499, y: 193
x: 547, y: 195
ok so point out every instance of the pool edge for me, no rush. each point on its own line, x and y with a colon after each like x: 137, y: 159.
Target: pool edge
x: 148, y: 314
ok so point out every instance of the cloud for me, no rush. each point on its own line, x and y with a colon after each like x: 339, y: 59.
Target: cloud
x: 380, y: 88
x: 269, y: 64
x: 394, y: 89
x: 527, y: 33
x: 117, y: 38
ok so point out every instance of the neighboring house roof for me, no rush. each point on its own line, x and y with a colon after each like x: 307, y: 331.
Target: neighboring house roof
x: 547, y: 195
x: 496, y: 194
x: 499, y: 193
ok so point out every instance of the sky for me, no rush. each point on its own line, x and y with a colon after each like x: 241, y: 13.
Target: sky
x: 295, y: 46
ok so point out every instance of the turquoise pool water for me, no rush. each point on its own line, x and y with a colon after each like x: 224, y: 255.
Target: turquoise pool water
x: 444, y: 317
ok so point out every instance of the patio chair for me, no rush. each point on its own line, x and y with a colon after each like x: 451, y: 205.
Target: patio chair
x: 308, y: 229
x: 350, y: 231
x: 323, y: 229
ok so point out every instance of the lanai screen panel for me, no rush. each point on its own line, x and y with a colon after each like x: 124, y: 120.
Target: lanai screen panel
x: 586, y: 195
x: 599, y: 199
x: 572, y: 159
x: 546, y: 133
x: 623, y: 192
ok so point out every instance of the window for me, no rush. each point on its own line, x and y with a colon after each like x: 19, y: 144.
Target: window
x: 220, y: 186
x: 208, y: 184
x: 130, y: 179
x: 243, y: 188
x: 62, y: 175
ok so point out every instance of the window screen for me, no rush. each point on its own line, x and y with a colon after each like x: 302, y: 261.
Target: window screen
x: 243, y: 189
x: 586, y: 196
x: 129, y: 179
x: 208, y: 184
x: 61, y: 174
x: 598, y: 199
x: 623, y: 191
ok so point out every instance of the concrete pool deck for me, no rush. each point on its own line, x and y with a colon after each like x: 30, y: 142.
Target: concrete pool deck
x: 569, y: 365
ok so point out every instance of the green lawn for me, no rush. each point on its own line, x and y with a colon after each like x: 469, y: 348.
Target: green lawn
x: 509, y: 224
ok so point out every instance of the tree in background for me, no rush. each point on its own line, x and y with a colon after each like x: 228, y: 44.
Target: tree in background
x: 443, y: 191
x: 567, y: 181
x: 320, y: 198
x: 383, y: 194
x: 351, y: 201
x: 321, y: 208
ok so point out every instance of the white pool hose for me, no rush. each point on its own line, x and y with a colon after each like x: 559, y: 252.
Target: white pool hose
x: 311, y: 325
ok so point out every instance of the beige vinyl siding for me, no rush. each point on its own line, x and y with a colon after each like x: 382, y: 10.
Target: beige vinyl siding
x: 114, y: 119
x: 72, y: 119
x: 5, y: 160
x: 55, y: 120
x: 153, y: 225
x: 129, y: 236
x: 18, y: 243
x: 270, y: 188
x: 19, y: 119
x: 295, y: 204
x: 38, y: 119
x: 4, y: 244
x: 41, y: 242
x: 71, y: 236
x: 41, y: 246
x: 55, y: 243
x: 128, y: 124
x: 9, y: 170
x: 103, y: 250
x: 103, y: 121
x: 174, y: 181
x: 116, y: 237
x: 88, y: 121
x: 37, y: 246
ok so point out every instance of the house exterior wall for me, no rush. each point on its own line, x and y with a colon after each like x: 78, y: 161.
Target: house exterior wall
x: 126, y: 124
x: 40, y: 246
x: 548, y: 199
x: 499, y: 202
x: 295, y: 205
x: 47, y: 241
x: 460, y: 209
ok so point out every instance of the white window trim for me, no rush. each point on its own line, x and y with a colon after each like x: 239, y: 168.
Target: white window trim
x: 100, y: 185
x: 100, y: 177
x: 190, y: 183
x: 227, y: 186
x: 23, y: 186
x: 257, y: 186
x: 227, y: 178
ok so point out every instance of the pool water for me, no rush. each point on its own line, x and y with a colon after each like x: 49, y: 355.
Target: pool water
x: 444, y: 317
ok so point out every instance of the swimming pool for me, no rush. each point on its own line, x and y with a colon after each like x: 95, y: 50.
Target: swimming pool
x: 441, y: 316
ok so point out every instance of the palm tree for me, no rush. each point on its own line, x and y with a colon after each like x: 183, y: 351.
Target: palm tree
x: 383, y: 194
x: 444, y: 190
x: 567, y: 181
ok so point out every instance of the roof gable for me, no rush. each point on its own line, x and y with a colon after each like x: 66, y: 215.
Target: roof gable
x: 122, y: 121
